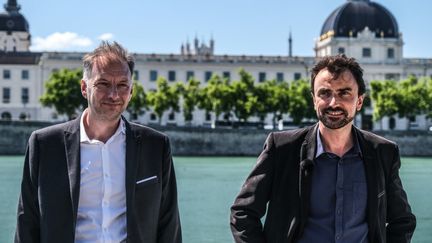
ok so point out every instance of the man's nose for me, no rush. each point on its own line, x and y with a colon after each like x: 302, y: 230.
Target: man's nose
x: 113, y: 91
x: 333, y: 100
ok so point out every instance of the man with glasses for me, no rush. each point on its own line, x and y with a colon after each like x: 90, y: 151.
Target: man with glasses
x: 99, y: 178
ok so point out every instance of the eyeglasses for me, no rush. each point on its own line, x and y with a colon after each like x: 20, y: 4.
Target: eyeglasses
x: 107, y: 87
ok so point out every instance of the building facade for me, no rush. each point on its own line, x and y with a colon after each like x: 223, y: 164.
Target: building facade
x: 359, y: 28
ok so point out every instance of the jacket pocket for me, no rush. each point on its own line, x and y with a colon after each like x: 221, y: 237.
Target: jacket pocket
x: 147, y: 181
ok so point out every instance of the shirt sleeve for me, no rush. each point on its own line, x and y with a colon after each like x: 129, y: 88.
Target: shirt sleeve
x: 28, y: 228
x: 400, y: 220
x: 250, y: 205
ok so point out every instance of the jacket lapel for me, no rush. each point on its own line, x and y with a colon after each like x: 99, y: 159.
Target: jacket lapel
x: 133, y: 145
x: 370, y: 161
x: 307, y: 154
x: 72, y: 147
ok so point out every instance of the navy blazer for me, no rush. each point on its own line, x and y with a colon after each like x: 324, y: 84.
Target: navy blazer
x: 47, y: 208
x: 281, y: 178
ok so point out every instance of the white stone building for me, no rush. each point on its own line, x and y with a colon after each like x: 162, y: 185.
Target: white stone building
x: 359, y: 28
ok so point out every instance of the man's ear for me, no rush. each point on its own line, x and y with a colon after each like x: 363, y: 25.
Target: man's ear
x: 131, y: 94
x: 84, y: 88
x: 360, y: 102
x: 313, y: 99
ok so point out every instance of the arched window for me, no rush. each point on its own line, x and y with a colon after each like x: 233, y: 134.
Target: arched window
x: 6, y: 116
x: 153, y: 117
x: 392, y: 123
x: 171, y: 116
x: 23, y: 116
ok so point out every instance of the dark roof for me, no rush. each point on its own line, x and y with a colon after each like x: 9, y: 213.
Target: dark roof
x: 355, y: 15
x: 12, y: 20
x: 23, y: 58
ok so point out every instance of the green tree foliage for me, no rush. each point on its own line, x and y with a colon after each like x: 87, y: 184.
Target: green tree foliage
x: 301, y: 103
x: 191, y: 95
x: 413, y: 97
x: 274, y: 98
x: 244, y: 94
x: 216, y: 97
x: 138, y: 103
x: 384, y: 95
x: 63, y: 92
x: 429, y: 97
x: 263, y: 96
x: 406, y: 98
x: 164, y: 98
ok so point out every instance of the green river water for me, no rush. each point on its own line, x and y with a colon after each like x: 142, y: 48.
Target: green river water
x: 207, y: 187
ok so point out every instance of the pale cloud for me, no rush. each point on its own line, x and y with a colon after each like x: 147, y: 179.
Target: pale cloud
x: 66, y: 41
x: 106, y: 36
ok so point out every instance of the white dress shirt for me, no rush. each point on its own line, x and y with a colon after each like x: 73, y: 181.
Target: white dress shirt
x: 102, y: 199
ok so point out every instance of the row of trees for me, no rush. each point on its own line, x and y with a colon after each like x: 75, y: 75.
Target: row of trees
x: 240, y: 99
x: 243, y: 98
x: 406, y: 98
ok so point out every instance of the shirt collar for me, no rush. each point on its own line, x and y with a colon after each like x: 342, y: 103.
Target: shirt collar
x: 121, y: 129
x: 355, y: 150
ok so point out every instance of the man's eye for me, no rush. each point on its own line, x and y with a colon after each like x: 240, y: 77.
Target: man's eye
x: 324, y: 94
x: 123, y: 86
x: 102, y: 85
x: 344, y: 93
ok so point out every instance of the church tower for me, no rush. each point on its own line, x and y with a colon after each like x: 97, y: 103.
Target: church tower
x: 14, y: 29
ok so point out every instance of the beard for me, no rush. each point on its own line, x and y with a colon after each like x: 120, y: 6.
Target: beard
x: 332, y: 122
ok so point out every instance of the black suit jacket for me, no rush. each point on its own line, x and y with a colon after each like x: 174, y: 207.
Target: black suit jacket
x: 47, y: 208
x: 282, y: 178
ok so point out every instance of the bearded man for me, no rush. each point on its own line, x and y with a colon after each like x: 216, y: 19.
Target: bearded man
x: 331, y: 182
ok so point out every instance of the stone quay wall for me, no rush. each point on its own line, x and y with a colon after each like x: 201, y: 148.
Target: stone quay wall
x: 199, y: 141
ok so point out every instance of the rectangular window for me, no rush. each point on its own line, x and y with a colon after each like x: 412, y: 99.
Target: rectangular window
x: 297, y: 76
x: 6, y: 74
x: 153, y: 75
x: 226, y: 75
x: 279, y: 77
x: 135, y: 75
x: 390, y: 53
x: 391, y: 76
x: 25, y: 74
x: 189, y: 75
x: 171, y: 76
x: 24, y: 95
x: 207, y: 75
x: 261, y: 77
x: 367, y: 52
x: 6, y: 95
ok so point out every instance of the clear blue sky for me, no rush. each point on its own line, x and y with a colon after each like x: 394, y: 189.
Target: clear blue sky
x: 248, y: 27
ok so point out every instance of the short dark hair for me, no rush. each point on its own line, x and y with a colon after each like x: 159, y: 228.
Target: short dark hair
x: 337, y: 65
x: 113, y: 51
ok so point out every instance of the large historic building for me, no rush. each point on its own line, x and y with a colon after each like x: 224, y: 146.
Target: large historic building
x: 359, y: 28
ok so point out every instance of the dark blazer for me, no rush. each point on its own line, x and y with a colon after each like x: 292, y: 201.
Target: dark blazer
x: 47, y: 208
x: 282, y: 178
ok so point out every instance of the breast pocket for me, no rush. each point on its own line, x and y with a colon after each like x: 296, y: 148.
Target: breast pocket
x: 360, y: 197
x: 147, y: 181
